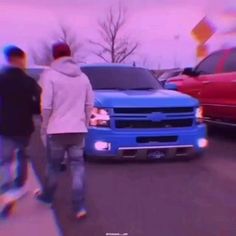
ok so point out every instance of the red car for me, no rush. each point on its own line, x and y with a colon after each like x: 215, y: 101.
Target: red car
x: 213, y: 82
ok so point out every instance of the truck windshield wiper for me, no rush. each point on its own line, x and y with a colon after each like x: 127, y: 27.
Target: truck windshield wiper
x: 115, y: 88
x: 148, y: 88
x: 125, y: 89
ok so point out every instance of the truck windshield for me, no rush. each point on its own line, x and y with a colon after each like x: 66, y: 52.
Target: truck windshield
x: 34, y: 72
x: 120, y: 78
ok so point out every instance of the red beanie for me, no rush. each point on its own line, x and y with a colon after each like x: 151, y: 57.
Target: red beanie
x: 61, y: 50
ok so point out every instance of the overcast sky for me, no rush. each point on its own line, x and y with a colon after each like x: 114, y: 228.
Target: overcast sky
x: 153, y: 23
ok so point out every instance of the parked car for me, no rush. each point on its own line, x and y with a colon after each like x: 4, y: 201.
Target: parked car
x: 213, y: 82
x: 134, y: 117
x: 169, y: 74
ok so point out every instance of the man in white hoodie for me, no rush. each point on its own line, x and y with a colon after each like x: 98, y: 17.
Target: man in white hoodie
x: 67, y: 102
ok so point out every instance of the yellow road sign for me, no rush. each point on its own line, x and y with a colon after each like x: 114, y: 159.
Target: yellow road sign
x: 202, y: 51
x: 203, y: 31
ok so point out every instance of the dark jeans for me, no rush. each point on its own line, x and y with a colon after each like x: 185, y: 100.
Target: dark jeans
x: 21, y: 167
x: 57, y: 146
x: 10, y: 147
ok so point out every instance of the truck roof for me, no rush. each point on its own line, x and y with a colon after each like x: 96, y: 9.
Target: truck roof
x: 117, y: 65
x: 92, y: 65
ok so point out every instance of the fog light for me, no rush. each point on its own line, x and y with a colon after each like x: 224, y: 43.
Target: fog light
x: 202, y: 143
x: 102, y: 146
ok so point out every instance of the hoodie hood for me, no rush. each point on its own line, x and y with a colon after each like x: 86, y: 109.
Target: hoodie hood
x: 66, y: 66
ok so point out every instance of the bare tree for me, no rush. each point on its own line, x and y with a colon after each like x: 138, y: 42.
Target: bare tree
x: 113, y: 47
x: 43, y: 54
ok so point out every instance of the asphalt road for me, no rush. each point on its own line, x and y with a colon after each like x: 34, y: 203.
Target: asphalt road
x: 183, y: 198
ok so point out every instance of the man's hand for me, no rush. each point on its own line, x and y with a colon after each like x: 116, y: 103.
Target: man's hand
x: 45, y: 120
x: 44, y: 136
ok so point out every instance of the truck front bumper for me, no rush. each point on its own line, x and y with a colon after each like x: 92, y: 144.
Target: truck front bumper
x: 104, y: 143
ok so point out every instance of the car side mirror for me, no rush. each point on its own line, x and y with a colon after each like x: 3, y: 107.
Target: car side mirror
x: 190, y: 72
x: 170, y: 86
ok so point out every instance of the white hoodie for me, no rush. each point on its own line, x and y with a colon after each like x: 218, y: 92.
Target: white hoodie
x: 68, y: 95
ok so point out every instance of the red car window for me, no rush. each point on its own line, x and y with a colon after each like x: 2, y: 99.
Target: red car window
x: 230, y: 62
x: 210, y: 64
x: 221, y: 65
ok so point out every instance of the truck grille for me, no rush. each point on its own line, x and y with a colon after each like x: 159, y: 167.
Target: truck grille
x: 161, y: 139
x: 148, y: 124
x: 153, y: 109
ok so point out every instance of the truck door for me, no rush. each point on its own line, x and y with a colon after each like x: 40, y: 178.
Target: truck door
x: 209, y: 89
x: 229, y: 90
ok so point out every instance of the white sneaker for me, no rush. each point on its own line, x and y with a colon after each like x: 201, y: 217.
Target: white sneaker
x: 16, y: 193
x: 6, y: 206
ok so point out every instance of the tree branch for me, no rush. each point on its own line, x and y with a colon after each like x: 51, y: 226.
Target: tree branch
x: 111, y: 44
x: 100, y: 45
x: 129, y: 53
x: 101, y: 56
x: 44, y: 57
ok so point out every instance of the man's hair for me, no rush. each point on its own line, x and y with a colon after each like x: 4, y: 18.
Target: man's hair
x: 13, y: 51
x: 61, y: 50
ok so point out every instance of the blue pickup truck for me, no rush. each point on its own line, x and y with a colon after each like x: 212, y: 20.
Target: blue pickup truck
x: 135, y: 117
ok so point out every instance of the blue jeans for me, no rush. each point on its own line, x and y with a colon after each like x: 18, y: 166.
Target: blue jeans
x: 9, y: 147
x: 57, y: 146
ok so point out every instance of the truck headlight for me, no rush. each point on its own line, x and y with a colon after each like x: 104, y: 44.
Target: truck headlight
x: 100, y: 118
x: 199, y: 114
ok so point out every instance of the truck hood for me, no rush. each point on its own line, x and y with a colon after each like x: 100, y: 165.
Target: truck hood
x: 151, y: 98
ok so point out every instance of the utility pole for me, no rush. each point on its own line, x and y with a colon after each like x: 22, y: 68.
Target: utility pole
x: 176, y: 40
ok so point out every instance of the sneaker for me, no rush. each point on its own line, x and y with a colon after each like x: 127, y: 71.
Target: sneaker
x: 41, y: 198
x: 16, y: 193
x: 81, y: 214
x: 7, y: 205
x: 5, y: 187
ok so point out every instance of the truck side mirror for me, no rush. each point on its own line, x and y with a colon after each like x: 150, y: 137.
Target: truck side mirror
x: 171, y: 86
x: 190, y: 72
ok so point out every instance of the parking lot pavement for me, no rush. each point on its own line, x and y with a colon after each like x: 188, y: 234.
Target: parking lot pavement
x: 180, y: 198
x: 29, y: 218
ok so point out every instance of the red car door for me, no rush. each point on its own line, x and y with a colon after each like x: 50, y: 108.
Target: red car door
x: 200, y: 86
x: 214, y: 96
x: 218, y: 94
x: 233, y: 97
x: 229, y: 69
